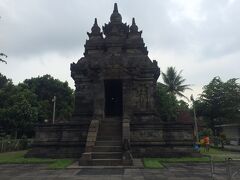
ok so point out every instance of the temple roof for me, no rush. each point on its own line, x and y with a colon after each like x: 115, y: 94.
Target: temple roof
x: 95, y: 29
x: 118, y: 36
x: 116, y: 17
x: 121, y: 48
x: 133, y: 27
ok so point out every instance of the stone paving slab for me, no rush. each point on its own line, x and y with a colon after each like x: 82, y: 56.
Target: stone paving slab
x: 180, y: 171
x: 106, y: 171
x: 137, y: 164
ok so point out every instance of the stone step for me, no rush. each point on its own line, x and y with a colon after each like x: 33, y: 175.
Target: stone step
x: 119, y: 128
x: 110, y: 129
x: 111, y: 120
x: 111, y: 126
x: 108, y: 143
x: 113, y: 117
x: 106, y: 162
x: 113, y: 130
x: 109, y: 123
x: 107, y: 155
x: 109, y: 138
x: 109, y: 133
x: 116, y: 134
x: 107, y: 149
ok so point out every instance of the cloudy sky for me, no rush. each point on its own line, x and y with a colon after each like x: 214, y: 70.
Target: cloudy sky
x: 200, y: 37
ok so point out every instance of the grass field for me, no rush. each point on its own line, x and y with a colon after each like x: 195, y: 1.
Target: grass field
x: 220, y: 155
x: 216, y: 154
x: 17, y: 157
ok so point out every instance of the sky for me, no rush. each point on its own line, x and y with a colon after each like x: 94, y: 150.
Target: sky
x: 200, y: 37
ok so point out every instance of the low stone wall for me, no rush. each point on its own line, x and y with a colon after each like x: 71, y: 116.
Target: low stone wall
x: 159, y: 139
x: 65, y: 140
x: 148, y: 138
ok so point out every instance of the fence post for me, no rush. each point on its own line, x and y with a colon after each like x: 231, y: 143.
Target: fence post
x: 2, y: 145
x: 228, y: 168
x: 212, y: 167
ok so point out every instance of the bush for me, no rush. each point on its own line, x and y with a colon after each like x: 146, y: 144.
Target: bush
x: 24, y: 142
x: 7, y: 144
x: 205, y: 132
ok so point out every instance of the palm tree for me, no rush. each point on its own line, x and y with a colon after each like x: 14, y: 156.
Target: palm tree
x: 1, y: 60
x: 1, y: 54
x: 174, y: 82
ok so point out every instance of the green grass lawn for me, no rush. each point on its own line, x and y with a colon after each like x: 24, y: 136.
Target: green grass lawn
x: 152, y: 163
x: 17, y: 157
x: 220, y: 155
x: 158, y: 162
x: 216, y: 154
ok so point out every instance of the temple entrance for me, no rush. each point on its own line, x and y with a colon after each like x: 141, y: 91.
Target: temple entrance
x: 113, y: 97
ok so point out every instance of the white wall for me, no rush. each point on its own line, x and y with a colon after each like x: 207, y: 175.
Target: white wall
x: 232, y: 134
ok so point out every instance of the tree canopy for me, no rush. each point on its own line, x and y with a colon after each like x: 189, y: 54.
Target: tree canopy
x: 220, y: 102
x: 46, y: 87
x: 28, y: 103
x: 168, y: 107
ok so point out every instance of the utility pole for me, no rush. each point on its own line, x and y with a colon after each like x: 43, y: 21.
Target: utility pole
x: 54, y: 108
x: 195, y: 119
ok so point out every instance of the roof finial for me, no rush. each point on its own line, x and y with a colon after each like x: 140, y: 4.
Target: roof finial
x: 133, y: 21
x: 115, y: 8
x: 95, y: 29
x: 133, y: 27
x: 116, y: 17
x: 95, y: 21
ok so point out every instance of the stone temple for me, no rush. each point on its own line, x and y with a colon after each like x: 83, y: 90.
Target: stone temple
x: 115, y: 119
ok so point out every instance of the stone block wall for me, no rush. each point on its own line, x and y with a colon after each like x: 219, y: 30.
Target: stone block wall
x: 65, y: 140
x: 160, y: 139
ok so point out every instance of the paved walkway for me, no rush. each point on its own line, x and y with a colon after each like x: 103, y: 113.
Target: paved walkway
x: 180, y: 171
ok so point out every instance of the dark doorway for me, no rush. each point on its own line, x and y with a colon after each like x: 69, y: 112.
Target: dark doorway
x: 113, y: 97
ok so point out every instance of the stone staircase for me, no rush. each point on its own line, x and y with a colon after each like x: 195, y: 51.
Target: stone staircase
x: 108, y: 148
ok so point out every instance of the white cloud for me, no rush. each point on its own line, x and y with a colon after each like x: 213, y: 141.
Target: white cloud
x: 201, y: 37
x: 187, y: 9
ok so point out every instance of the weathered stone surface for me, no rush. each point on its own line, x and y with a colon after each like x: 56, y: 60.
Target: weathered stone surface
x: 115, y: 78
x: 59, y: 140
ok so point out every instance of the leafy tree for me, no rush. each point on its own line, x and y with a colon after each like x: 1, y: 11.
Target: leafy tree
x: 18, y: 110
x: 4, y: 81
x: 183, y: 106
x: 46, y: 87
x: 205, y: 132
x: 166, y: 103
x: 22, y: 116
x: 175, y: 82
x: 6, y: 88
x: 220, y: 102
x: 28, y: 103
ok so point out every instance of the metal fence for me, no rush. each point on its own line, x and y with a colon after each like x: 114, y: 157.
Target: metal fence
x: 232, y: 167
